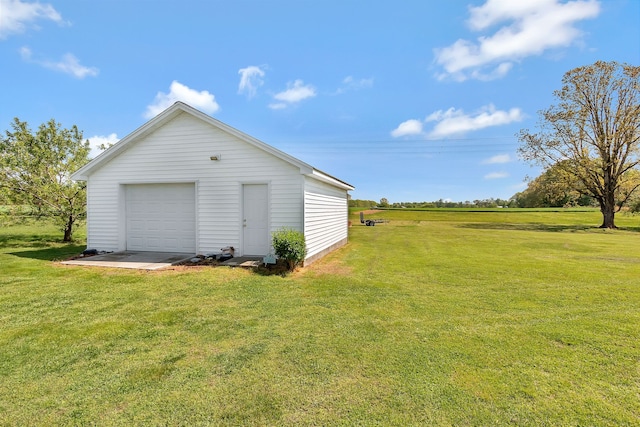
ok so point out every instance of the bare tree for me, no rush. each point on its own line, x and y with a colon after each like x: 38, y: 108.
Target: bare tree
x: 593, y: 133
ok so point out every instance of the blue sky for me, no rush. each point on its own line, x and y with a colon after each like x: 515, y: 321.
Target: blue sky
x: 407, y: 100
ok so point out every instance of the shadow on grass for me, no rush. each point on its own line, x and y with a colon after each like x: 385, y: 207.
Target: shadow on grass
x: 27, y: 241
x: 51, y: 254
x: 538, y: 227
x: 279, y: 269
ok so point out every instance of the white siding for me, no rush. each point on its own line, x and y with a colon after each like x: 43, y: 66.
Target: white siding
x: 325, y: 216
x: 179, y: 152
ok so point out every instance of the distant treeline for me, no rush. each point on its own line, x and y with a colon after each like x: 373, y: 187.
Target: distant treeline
x: 485, y: 203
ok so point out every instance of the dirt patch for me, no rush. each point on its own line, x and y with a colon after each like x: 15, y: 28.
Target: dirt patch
x: 280, y: 268
x: 334, y: 267
x: 371, y: 211
x: 204, y: 262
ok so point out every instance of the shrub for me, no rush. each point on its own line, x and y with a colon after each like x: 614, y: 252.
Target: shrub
x: 634, y: 206
x: 289, y: 245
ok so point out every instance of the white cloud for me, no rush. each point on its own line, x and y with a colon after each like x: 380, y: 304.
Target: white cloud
x: 498, y: 159
x: 250, y: 80
x: 278, y: 106
x: 296, y: 92
x: 25, y: 53
x: 358, y: 84
x: 350, y: 83
x: 97, y: 142
x: 71, y: 65
x: 496, y: 175
x: 529, y: 28
x: 16, y: 16
x: 496, y: 73
x: 453, y: 122
x: 202, y: 100
x: 410, y: 127
x: 68, y: 64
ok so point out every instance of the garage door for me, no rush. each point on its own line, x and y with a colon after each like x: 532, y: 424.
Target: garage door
x: 161, y: 217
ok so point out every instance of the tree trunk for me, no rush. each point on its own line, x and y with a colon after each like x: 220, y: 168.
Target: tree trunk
x: 608, y: 209
x: 68, y: 230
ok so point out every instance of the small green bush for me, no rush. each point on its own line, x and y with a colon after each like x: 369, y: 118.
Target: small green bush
x: 289, y: 245
x: 634, y: 206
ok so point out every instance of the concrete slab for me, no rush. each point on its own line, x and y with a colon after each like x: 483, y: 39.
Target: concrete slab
x: 244, y: 261
x: 131, y: 259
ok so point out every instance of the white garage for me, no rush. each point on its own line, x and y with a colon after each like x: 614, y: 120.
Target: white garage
x: 161, y: 217
x: 186, y: 182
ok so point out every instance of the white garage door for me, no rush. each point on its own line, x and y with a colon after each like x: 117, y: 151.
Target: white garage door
x: 161, y: 217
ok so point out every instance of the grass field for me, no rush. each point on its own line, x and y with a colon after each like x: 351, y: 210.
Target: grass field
x: 435, y: 318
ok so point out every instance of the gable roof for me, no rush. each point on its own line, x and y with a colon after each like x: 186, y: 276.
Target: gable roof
x: 177, y: 108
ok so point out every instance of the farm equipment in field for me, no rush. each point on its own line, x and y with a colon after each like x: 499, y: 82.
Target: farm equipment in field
x: 370, y: 222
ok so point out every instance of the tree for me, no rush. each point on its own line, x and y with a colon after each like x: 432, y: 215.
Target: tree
x: 358, y: 203
x: 553, y: 188
x: 35, y: 170
x: 593, y: 133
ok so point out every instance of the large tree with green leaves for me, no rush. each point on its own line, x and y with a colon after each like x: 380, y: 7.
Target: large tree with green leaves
x: 553, y: 188
x: 35, y: 171
x: 593, y: 133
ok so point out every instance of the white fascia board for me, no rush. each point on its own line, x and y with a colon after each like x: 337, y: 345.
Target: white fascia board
x: 324, y: 177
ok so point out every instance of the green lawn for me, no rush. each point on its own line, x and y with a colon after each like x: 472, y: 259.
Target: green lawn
x: 436, y: 318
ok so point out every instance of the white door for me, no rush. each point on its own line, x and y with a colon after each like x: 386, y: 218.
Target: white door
x: 161, y: 217
x: 255, y: 219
